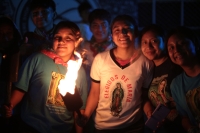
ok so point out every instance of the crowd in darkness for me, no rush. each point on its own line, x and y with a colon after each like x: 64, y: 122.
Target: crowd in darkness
x: 127, y: 77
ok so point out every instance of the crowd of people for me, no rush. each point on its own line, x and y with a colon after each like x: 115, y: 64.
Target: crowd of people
x: 126, y: 73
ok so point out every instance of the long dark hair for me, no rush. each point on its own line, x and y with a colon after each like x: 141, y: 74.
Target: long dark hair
x: 70, y: 25
x: 155, y: 28
x: 101, y: 14
x: 127, y: 18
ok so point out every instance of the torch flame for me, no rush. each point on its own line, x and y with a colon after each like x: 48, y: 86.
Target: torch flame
x: 69, y: 82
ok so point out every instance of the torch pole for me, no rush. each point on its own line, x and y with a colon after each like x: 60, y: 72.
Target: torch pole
x: 79, y: 113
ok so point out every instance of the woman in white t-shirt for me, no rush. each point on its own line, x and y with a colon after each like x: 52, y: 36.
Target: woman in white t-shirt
x: 127, y: 66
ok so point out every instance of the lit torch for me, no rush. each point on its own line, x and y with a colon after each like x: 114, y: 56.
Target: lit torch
x: 67, y: 86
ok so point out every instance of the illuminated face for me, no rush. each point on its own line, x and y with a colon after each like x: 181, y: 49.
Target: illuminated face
x: 43, y: 17
x: 64, y: 43
x: 123, y: 34
x: 152, y: 45
x: 100, y: 29
x: 6, y: 35
x: 181, y: 50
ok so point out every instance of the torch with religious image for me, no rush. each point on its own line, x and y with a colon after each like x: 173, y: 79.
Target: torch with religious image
x: 67, y: 86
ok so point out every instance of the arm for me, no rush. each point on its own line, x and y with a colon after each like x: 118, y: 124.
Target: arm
x: 148, y: 109
x: 78, y: 128
x: 147, y: 106
x: 187, y: 125
x: 92, y: 100
x: 16, y: 97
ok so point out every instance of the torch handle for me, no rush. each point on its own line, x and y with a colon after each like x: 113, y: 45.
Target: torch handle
x: 79, y: 113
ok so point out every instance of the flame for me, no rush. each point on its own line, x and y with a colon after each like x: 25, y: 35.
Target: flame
x: 69, y: 82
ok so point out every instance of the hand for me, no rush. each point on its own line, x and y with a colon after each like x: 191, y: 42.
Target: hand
x: 78, y: 44
x: 81, y: 121
x: 80, y: 40
x: 149, y: 114
x: 7, y: 110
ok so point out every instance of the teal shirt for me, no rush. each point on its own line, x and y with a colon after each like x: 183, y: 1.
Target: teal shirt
x: 42, y: 106
x: 186, y: 94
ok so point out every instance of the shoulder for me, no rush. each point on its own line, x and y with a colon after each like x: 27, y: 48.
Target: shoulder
x: 34, y: 61
x: 176, y: 84
x: 144, y: 60
x: 37, y: 57
x: 177, y: 79
x: 103, y: 55
x: 101, y: 58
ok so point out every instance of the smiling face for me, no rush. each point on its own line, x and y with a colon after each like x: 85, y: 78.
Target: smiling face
x: 123, y: 34
x: 64, y: 43
x: 181, y: 50
x: 152, y: 45
x: 100, y: 29
x: 43, y: 17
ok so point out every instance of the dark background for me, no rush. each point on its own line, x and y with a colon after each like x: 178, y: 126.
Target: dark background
x: 167, y: 13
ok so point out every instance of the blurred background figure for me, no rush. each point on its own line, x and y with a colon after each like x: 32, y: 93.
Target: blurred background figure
x: 43, y: 13
x: 99, y: 20
x: 84, y: 10
x: 10, y: 39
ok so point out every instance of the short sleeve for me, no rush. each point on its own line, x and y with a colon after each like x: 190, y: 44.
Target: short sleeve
x: 25, y: 73
x: 148, y: 75
x: 174, y: 92
x: 95, y: 69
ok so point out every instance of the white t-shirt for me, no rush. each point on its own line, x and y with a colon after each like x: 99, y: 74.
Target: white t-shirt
x: 90, y: 54
x: 119, y: 108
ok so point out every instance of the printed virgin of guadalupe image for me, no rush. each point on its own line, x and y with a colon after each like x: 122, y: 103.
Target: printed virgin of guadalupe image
x: 117, y: 96
x: 193, y: 100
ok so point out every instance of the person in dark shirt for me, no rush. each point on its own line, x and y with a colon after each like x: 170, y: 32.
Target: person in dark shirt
x: 10, y: 40
x: 153, y: 47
